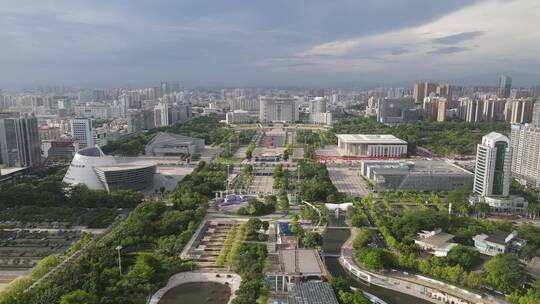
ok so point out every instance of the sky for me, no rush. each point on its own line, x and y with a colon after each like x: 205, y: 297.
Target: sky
x: 273, y: 43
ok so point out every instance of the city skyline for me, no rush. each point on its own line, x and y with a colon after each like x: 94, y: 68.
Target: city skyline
x: 238, y: 43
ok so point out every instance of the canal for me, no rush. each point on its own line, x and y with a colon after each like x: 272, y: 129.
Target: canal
x: 333, y: 240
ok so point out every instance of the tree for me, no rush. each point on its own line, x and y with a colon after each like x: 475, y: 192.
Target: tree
x: 362, y: 238
x: 312, y: 239
x: 461, y: 255
x: 249, y: 151
x: 78, y: 297
x: 376, y: 258
x: 283, y: 200
x: 504, y: 272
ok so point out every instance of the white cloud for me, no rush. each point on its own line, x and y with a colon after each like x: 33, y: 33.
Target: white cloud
x: 508, y: 31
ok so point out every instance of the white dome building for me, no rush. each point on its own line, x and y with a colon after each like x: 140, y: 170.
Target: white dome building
x: 91, y: 167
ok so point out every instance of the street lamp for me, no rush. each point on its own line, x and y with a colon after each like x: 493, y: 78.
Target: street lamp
x: 118, y: 248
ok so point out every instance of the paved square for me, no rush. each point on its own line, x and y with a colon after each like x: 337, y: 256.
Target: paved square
x: 261, y: 184
x: 348, y: 181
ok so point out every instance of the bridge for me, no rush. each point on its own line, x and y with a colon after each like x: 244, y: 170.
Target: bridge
x: 332, y: 255
x: 338, y: 227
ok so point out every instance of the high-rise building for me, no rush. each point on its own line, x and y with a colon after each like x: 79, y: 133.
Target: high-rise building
x: 441, y: 110
x: 135, y: 121
x: 493, y: 166
x: 244, y: 103
x: 505, y: 86
x: 278, y: 109
x: 20, y: 145
x: 431, y: 107
x: 81, y: 130
x: 396, y: 110
x: 418, y: 92
x: 166, y: 114
x: 536, y: 115
x: 526, y: 153
x: 445, y: 90
x: 422, y: 90
x: 519, y: 110
x: 317, y: 105
x: 470, y: 110
x: 493, y: 110
x: 161, y: 114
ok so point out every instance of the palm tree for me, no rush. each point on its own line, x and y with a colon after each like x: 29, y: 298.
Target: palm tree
x: 481, y: 209
x: 532, y: 211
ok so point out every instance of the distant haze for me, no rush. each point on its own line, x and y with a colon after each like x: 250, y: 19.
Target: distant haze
x: 279, y: 42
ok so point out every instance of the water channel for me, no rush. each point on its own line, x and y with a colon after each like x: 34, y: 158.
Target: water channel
x: 333, y: 240
x: 199, y: 292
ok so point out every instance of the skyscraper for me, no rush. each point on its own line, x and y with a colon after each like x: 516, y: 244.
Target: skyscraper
x: 519, y: 110
x: 526, y: 153
x: 81, y: 130
x: 493, y: 166
x: 535, y: 121
x: 441, y: 110
x: 19, y: 140
x: 166, y: 114
x: 470, y: 110
x: 505, y: 86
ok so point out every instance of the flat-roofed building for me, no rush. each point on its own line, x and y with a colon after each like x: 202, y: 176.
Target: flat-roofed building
x: 371, y: 145
x: 415, y: 175
x: 240, y: 117
x: 169, y: 144
x: 312, y: 292
x: 296, y: 265
x: 279, y: 109
x: 437, y: 242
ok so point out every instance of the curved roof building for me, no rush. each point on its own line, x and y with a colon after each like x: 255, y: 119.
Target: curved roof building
x: 91, y: 167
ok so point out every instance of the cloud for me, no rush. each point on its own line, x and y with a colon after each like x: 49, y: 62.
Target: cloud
x: 403, y: 52
x: 457, y: 38
x: 448, y: 50
x: 125, y: 41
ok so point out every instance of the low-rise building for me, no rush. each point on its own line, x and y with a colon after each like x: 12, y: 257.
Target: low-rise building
x: 436, y: 241
x: 415, y: 175
x: 312, y: 292
x: 371, y: 145
x: 498, y: 242
x: 294, y: 266
x: 169, y: 144
x: 502, y: 204
x: 240, y: 116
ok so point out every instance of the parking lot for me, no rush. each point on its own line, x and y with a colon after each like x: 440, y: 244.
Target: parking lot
x: 348, y: 181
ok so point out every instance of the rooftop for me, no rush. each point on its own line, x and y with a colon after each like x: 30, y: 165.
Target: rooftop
x: 301, y: 261
x: 120, y: 167
x: 417, y: 167
x: 312, y: 292
x: 166, y: 136
x: 370, y: 138
x: 498, y: 237
x: 439, y: 240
